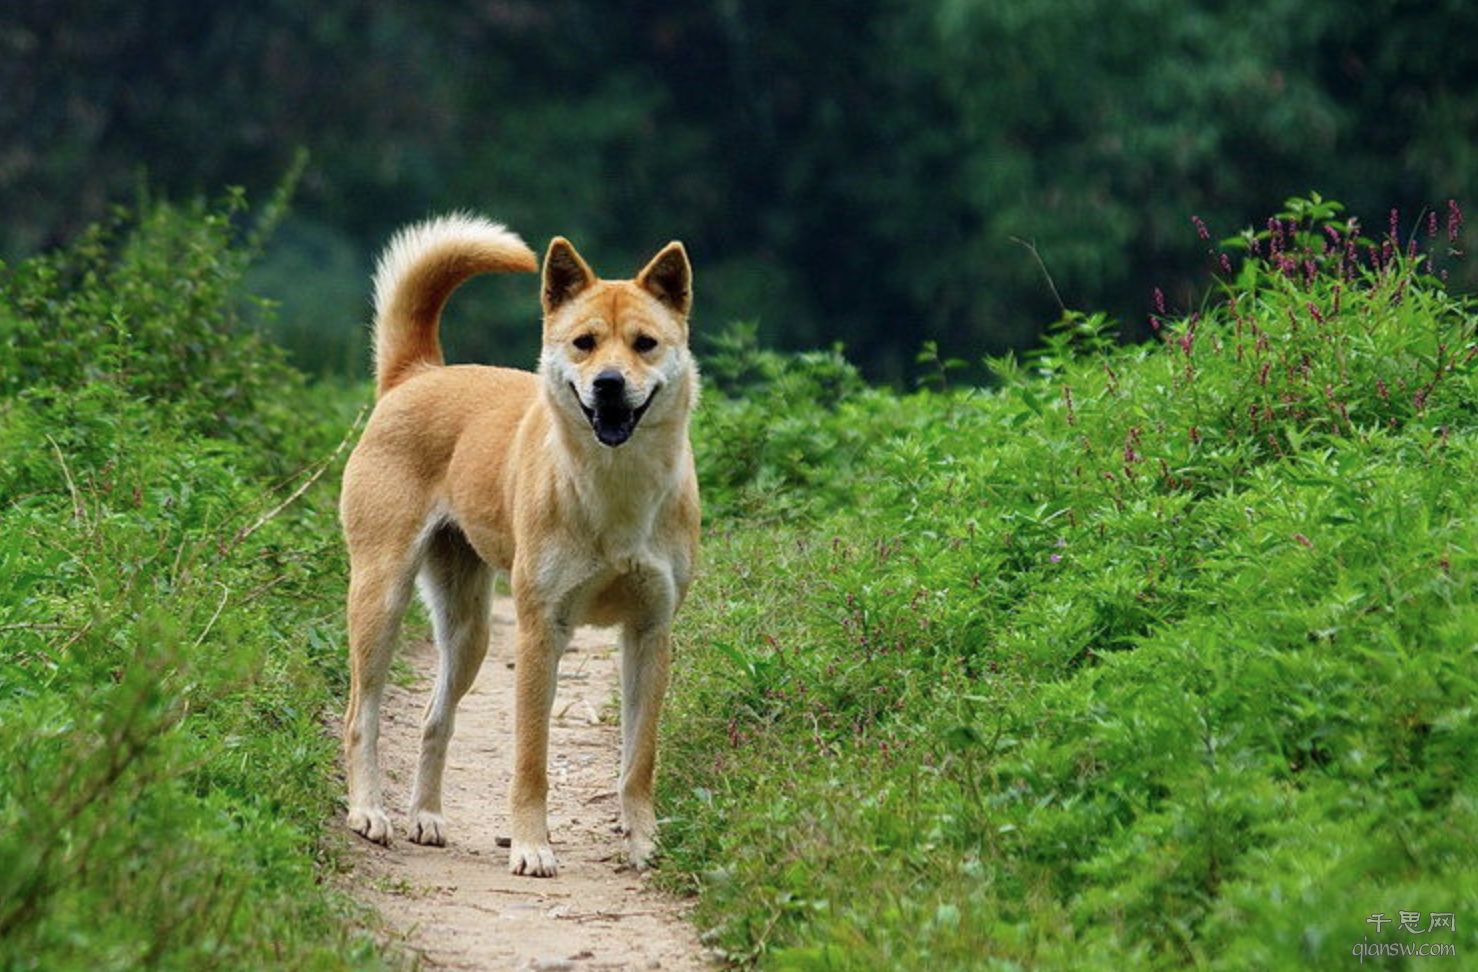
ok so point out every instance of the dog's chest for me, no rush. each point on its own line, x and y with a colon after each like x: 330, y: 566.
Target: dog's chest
x: 617, y: 512
x: 622, y: 527
x: 619, y: 555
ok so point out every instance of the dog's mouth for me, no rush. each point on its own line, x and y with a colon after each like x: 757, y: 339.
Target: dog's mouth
x: 613, y: 422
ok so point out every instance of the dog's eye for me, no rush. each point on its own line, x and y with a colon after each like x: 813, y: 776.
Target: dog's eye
x: 585, y: 342
x: 644, y: 343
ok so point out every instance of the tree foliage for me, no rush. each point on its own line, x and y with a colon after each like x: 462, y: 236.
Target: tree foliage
x: 857, y: 173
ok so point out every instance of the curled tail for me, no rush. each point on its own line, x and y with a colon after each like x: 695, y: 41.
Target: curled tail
x: 416, y: 274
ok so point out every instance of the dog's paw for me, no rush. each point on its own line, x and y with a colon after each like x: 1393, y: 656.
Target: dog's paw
x: 371, y: 823
x: 641, y: 851
x: 532, y: 860
x: 428, y: 828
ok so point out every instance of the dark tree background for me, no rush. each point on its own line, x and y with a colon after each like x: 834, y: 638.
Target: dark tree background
x: 857, y: 172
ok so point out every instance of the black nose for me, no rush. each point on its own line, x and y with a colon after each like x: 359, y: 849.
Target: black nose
x: 609, y: 384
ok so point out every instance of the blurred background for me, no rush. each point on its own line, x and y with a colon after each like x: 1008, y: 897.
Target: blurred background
x: 867, y: 172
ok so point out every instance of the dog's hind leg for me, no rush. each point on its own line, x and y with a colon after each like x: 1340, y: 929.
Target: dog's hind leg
x: 457, y: 588
x: 379, y: 589
x: 646, y: 655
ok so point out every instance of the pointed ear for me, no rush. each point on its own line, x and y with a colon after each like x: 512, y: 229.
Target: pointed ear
x: 669, y: 278
x: 565, y: 274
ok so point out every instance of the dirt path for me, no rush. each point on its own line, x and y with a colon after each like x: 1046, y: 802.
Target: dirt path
x: 458, y: 906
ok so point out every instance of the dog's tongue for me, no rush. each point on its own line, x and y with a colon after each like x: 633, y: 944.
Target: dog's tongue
x: 613, y: 426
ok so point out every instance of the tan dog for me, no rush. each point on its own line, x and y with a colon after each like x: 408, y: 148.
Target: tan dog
x: 578, y: 480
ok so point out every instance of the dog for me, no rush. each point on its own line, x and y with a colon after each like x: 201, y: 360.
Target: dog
x: 578, y: 481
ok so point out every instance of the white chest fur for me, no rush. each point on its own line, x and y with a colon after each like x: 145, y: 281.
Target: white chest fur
x: 620, y: 498
x: 616, y: 498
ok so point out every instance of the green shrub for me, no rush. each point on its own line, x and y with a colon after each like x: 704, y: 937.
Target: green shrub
x: 783, y: 434
x: 171, y: 631
x: 1149, y: 657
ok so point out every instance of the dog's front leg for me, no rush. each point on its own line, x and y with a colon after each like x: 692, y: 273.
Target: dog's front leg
x: 646, y: 654
x: 540, y: 644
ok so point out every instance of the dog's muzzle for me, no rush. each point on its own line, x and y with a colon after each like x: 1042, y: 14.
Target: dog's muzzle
x: 612, y: 419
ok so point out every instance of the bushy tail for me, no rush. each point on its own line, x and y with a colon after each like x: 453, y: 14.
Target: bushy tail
x: 416, y: 274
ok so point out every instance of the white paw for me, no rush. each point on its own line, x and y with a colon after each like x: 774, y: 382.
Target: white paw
x: 641, y: 849
x: 532, y: 860
x: 428, y: 828
x: 371, y: 823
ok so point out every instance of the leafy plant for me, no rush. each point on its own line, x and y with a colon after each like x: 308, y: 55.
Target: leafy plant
x: 1151, y: 656
x: 169, y: 619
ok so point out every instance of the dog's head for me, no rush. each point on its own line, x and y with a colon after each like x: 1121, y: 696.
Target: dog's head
x: 616, y: 351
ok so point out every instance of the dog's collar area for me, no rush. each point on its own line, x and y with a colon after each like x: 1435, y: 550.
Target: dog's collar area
x: 613, y: 426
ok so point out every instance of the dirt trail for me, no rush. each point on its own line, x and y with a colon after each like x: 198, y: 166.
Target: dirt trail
x: 458, y: 906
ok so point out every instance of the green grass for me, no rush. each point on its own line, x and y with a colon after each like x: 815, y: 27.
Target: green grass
x: 172, y: 639
x: 1159, y: 656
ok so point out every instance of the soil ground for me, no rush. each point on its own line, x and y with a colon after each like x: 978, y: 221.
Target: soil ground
x: 457, y: 907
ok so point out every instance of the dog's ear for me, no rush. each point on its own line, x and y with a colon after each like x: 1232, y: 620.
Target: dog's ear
x: 565, y: 274
x: 669, y: 278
